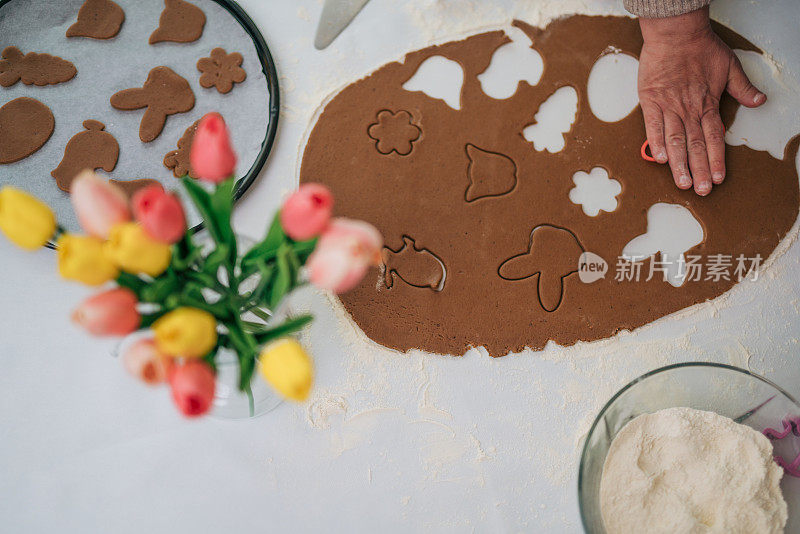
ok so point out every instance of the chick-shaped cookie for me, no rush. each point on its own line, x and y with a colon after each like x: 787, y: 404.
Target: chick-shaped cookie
x: 97, y: 19
x: 180, y: 22
x: 91, y: 148
x: 164, y: 93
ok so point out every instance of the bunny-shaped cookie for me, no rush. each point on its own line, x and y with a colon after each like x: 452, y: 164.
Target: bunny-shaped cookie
x: 164, y: 93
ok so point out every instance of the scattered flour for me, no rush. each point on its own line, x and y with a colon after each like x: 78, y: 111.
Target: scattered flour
x: 682, y: 470
x: 371, y: 391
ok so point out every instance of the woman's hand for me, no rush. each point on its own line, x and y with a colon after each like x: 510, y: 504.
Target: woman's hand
x: 683, y: 70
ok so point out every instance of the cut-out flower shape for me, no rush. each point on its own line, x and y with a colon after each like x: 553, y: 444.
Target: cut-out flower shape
x: 221, y: 70
x: 394, y: 132
x: 595, y: 191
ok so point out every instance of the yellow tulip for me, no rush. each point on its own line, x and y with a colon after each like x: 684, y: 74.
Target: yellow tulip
x: 287, y: 367
x: 186, y: 332
x: 81, y: 258
x: 132, y: 250
x: 25, y: 220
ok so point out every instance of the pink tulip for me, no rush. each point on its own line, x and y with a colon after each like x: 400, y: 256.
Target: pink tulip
x: 160, y: 213
x: 98, y: 204
x: 192, y: 387
x: 343, y: 254
x: 211, y: 155
x: 144, y: 361
x: 110, y: 313
x: 307, y: 212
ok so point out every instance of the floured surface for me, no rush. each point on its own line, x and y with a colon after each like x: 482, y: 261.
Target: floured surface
x: 387, y: 442
x: 511, y: 251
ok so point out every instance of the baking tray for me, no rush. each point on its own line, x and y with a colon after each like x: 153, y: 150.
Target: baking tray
x: 258, y: 62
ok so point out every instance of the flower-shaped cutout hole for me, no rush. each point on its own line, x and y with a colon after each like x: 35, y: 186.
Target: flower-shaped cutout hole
x: 553, y: 119
x: 595, y: 191
x: 671, y: 230
x: 553, y: 254
x: 440, y: 78
x: 394, y: 132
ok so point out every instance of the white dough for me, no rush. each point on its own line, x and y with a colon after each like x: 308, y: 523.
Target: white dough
x: 682, y: 470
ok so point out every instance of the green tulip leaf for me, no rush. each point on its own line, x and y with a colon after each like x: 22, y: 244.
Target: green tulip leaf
x: 283, y: 278
x: 287, y: 327
x: 267, y: 248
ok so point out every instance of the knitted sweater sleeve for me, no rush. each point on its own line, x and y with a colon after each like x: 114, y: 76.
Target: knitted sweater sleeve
x: 663, y: 8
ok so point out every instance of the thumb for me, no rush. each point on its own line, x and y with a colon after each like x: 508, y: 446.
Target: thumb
x: 741, y: 89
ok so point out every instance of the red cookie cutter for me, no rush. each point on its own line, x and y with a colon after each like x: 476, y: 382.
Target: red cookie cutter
x: 791, y: 425
x: 646, y: 145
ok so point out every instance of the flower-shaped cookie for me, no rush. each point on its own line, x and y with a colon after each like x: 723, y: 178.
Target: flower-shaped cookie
x: 394, y: 132
x: 221, y: 70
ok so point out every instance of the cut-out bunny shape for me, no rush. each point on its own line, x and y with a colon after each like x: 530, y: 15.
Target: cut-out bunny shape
x: 553, y: 254
x: 164, y: 93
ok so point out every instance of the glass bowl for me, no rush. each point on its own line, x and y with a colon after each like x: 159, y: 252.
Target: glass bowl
x: 743, y: 396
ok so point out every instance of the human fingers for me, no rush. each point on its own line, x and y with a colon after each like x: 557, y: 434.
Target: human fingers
x: 675, y: 136
x: 698, y: 155
x: 654, y: 126
x: 714, y: 133
x: 740, y: 88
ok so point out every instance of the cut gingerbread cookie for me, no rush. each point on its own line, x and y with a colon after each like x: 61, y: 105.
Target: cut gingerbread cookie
x: 490, y: 174
x: 97, y: 19
x: 221, y: 70
x: 92, y: 148
x: 33, y: 68
x: 180, y: 22
x: 25, y: 126
x: 178, y: 160
x: 553, y: 255
x: 394, y: 132
x: 416, y: 266
x: 130, y: 187
x: 164, y: 93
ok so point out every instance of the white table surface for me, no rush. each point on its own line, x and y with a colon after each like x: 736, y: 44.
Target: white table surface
x: 388, y: 442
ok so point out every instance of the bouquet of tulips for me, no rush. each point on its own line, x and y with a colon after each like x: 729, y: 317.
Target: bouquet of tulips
x: 191, y: 296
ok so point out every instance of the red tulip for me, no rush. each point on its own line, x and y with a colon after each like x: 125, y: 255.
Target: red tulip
x: 160, y: 213
x: 192, y: 387
x: 144, y: 361
x: 307, y: 212
x: 211, y: 155
x: 344, y: 253
x: 98, y: 204
x: 110, y: 313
